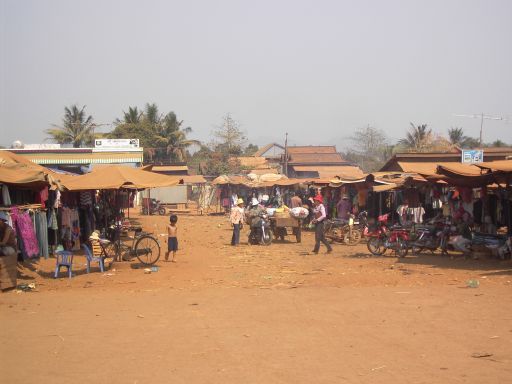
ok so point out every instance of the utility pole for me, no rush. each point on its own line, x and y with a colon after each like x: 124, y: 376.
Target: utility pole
x: 481, y: 116
x: 286, y: 154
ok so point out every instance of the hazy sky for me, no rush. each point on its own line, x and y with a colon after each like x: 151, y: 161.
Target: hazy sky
x: 314, y: 69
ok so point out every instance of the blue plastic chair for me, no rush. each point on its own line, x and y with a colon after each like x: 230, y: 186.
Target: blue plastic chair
x: 64, y: 259
x: 91, y: 258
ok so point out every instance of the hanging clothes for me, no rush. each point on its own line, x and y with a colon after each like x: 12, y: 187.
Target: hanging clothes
x: 42, y: 233
x: 26, y: 233
x: 6, y: 197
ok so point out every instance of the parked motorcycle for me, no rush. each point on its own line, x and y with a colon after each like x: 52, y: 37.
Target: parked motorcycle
x: 260, y: 233
x: 155, y: 206
x: 381, y: 238
x: 341, y: 231
x: 431, y: 237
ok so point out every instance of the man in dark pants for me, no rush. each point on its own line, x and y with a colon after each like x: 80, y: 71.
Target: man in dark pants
x: 319, y: 217
x: 237, y: 218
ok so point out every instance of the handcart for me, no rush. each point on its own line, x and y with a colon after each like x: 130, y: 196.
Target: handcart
x: 281, y: 225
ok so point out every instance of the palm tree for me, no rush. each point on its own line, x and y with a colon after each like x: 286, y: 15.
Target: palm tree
x: 176, y: 137
x: 456, y: 136
x: 419, y: 138
x: 133, y: 116
x: 152, y: 115
x: 77, y: 128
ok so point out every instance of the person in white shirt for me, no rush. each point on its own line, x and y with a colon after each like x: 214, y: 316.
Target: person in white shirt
x: 237, y: 217
x: 319, y: 216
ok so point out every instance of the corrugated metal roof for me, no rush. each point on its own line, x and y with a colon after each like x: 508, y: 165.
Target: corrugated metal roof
x: 315, y: 158
x: 312, y: 149
x: 348, y: 171
x: 431, y: 168
x: 169, y: 168
x: 266, y: 148
x: 250, y: 161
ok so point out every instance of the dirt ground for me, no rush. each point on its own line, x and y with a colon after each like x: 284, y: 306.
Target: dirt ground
x: 256, y: 314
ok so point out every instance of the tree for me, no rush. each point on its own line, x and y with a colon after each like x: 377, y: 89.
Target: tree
x: 176, y: 137
x: 369, y: 148
x: 162, y: 136
x: 471, y: 142
x: 418, y: 139
x: 77, y: 128
x: 231, y: 138
x: 133, y: 116
x: 456, y: 136
x: 250, y: 150
x: 498, y: 143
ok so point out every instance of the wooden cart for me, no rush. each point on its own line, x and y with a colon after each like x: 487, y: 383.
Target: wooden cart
x: 280, y: 224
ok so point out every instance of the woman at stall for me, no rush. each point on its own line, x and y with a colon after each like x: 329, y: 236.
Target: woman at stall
x: 7, y: 237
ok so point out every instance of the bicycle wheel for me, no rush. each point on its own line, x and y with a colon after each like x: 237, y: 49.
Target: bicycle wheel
x: 147, y: 250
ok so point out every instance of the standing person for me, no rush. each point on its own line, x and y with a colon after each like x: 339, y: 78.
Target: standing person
x: 237, y: 217
x: 319, y: 217
x: 172, y: 241
x: 8, y: 244
x: 343, y: 207
x: 296, y: 201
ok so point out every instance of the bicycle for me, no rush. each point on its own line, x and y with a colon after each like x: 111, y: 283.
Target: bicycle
x: 144, y: 246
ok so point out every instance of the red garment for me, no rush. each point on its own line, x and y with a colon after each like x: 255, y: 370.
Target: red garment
x: 319, y: 198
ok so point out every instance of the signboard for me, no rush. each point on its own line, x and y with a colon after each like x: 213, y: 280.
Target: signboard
x: 116, y: 143
x: 471, y: 156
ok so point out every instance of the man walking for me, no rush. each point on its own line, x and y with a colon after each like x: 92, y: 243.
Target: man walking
x: 319, y: 217
x: 236, y: 217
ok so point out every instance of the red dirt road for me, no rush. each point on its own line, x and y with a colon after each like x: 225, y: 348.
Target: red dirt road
x: 256, y: 314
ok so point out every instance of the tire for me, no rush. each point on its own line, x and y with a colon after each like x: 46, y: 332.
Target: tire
x: 267, y: 239
x: 375, y: 246
x: 355, y: 239
x: 147, y: 250
x: 401, y: 248
x: 161, y: 211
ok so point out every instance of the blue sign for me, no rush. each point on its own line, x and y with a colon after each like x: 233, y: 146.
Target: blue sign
x: 472, y: 156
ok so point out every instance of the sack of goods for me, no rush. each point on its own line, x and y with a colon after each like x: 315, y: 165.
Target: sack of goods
x: 271, y: 211
x: 299, y: 212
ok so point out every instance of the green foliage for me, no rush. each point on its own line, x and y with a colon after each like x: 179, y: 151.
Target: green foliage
x: 498, y: 143
x: 456, y: 136
x: 162, y: 136
x: 419, y: 138
x: 77, y: 128
x: 250, y: 150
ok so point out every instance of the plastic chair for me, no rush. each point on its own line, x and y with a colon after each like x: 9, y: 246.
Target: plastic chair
x: 91, y: 258
x: 64, y: 259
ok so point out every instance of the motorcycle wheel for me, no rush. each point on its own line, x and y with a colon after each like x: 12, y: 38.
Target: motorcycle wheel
x: 375, y: 246
x: 401, y: 248
x: 161, y: 211
x: 354, y: 239
x: 267, y: 239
